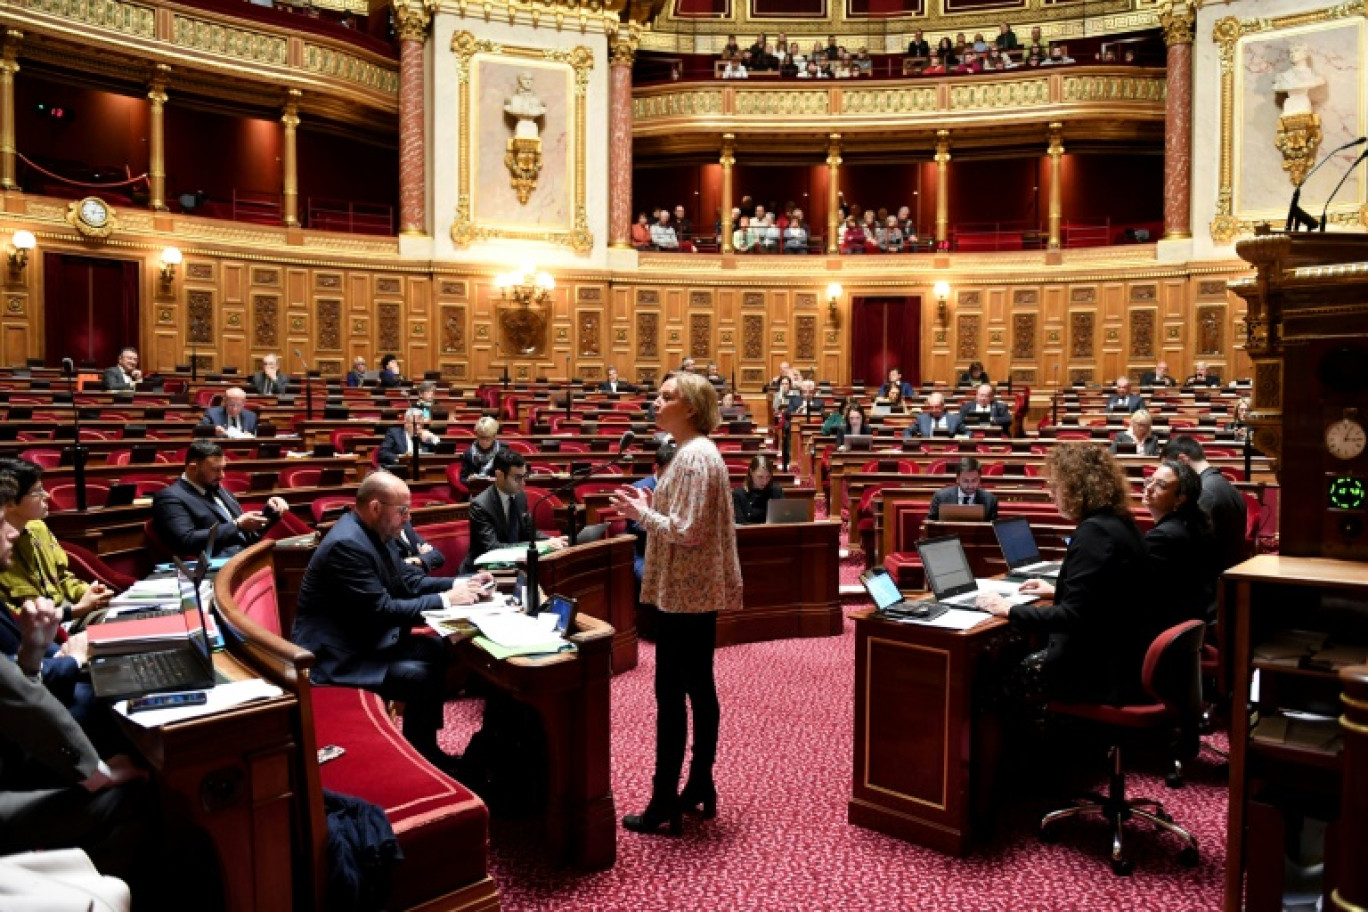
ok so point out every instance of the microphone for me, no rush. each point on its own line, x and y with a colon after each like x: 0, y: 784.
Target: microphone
x: 1349, y: 171
x: 1295, y: 214
x: 533, y: 600
x: 68, y: 367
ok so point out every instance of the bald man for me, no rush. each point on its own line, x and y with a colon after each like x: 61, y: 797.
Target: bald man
x: 232, y: 418
x: 934, y: 419
x: 357, y: 607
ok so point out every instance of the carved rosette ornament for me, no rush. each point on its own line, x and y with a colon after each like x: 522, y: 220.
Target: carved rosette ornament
x: 1298, y: 139
x: 411, y: 19
x: 1178, y: 18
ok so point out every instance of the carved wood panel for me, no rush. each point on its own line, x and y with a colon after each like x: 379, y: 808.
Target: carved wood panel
x: 753, y: 299
x: 970, y: 298
x: 967, y: 334
x: 589, y: 294
x: 700, y: 299
x: 700, y: 335
x: 265, y: 320
x: 753, y: 336
x: 806, y: 347
x: 456, y: 289
x: 199, y: 304
x: 648, y: 296
x: 453, y: 330
x: 329, y: 322
x: 648, y: 335
x: 1211, y: 330
x: 1024, y: 335
x: 1142, y: 333
x: 1082, y: 331
x: 200, y: 272
x: 1025, y: 296
x: 1083, y: 294
x: 1144, y: 293
x: 388, y: 315
x: 1080, y: 375
x: 590, y: 331
x: 387, y: 285
x: 805, y: 299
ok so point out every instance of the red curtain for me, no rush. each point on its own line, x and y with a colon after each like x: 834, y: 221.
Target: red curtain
x: 886, y: 333
x: 91, y: 308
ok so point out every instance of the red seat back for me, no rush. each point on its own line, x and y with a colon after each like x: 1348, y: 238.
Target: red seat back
x: 450, y: 538
x: 88, y: 566
x: 48, y: 459
x: 322, y: 505
x: 63, y: 495
x: 257, y: 598
x: 300, y: 478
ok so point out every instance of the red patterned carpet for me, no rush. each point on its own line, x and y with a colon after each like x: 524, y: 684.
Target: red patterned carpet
x: 781, y: 841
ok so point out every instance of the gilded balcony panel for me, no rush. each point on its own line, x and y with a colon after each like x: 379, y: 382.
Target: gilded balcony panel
x: 782, y: 103
x: 916, y: 100
x: 1114, y: 88
x: 228, y: 41
x: 692, y: 103
x: 1001, y: 95
x: 352, y: 68
x: 128, y: 18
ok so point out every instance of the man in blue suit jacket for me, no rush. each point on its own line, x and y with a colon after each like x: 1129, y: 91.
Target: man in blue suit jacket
x: 934, y: 418
x: 357, y: 606
x: 184, y: 513
x: 232, y: 419
x: 1123, y: 400
x: 966, y: 490
x: 399, y: 441
x: 985, y: 407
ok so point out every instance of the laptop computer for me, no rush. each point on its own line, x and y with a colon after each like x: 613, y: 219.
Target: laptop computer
x: 889, y: 600
x: 786, y: 511
x: 1019, y: 549
x: 188, y: 665
x: 962, y: 512
x: 120, y: 495
x: 947, y: 569
x: 857, y: 443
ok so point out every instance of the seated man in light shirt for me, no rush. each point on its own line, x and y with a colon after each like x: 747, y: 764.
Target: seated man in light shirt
x: 742, y: 239
x: 663, y: 234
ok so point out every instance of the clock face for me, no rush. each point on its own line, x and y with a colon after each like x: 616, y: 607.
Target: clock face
x: 94, y: 212
x: 1345, y: 439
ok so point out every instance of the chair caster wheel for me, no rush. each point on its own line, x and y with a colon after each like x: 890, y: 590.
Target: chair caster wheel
x: 1048, y: 835
x: 1123, y: 868
x: 1188, y: 857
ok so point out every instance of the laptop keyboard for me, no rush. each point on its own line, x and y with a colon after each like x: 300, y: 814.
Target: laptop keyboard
x: 156, y: 670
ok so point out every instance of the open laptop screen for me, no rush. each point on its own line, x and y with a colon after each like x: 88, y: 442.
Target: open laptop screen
x: 1017, y: 543
x: 882, y: 588
x: 947, y: 569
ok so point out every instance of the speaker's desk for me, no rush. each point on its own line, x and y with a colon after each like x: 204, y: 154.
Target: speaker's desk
x: 923, y: 751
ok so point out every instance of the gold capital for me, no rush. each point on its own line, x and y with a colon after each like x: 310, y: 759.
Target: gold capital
x: 1056, y: 136
x: 1178, y: 19
x: 623, y: 45
x: 412, y: 18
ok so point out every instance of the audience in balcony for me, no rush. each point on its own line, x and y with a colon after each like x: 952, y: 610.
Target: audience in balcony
x: 742, y: 239
x: 641, y: 232
x: 1006, y: 38
x: 736, y: 69
x: 731, y: 50
x: 663, y: 235
x: 796, y: 234
x: 945, y: 53
x: 969, y: 64
x: 980, y: 46
x: 1056, y: 57
x: 918, y: 46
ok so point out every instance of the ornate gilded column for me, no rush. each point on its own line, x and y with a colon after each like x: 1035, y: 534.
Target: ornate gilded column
x: 833, y: 193
x: 623, y: 52
x: 156, y: 141
x: 728, y: 161
x: 942, y: 187
x: 411, y: 21
x: 290, y: 191
x: 9, y: 65
x: 1178, y: 17
x: 1056, y: 153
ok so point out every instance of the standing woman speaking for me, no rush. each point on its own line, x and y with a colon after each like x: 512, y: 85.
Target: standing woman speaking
x: 692, y: 572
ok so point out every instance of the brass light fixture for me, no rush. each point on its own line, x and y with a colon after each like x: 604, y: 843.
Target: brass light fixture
x: 171, y: 257
x: 20, y: 245
x: 526, y: 285
x: 834, y: 292
x: 942, y: 292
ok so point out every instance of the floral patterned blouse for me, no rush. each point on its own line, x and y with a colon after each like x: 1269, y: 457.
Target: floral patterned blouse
x: 691, y: 562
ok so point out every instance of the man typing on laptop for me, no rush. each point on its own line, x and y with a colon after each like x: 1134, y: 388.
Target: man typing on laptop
x: 966, y: 491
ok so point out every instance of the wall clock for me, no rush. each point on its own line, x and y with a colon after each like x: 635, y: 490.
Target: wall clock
x: 93, y: 217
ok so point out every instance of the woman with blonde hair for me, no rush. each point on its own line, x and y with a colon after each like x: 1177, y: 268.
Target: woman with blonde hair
x: 1099, y: 622
x: 1141, y: 434
x: 691, y: 573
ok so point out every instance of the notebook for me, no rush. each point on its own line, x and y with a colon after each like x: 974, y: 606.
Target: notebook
x: 786, y: 511
x: 185, y: 666
x: 1019, y: 549
x: 889, y: 600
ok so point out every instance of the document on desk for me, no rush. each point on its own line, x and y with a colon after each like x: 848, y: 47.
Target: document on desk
x: 519, y: 630
x: 1010, y: 591
x: 514, y: 555
x: 224, y: 696
x: 956, y: 619
x: 447, y: 621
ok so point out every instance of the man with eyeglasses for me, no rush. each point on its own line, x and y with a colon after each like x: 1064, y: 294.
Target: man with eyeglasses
x: 499, y: 516
x: 357, y: 608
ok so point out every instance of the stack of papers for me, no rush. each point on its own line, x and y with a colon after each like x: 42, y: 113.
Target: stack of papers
x: 517, y: 634
x: 448, y: 621
x: 514, y: 555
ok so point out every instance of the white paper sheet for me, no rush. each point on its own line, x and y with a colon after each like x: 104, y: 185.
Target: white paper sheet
x: 224, y: 696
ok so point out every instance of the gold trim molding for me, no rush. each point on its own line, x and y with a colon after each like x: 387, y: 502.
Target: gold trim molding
x: 465, y: 230
x: 1227, y: 34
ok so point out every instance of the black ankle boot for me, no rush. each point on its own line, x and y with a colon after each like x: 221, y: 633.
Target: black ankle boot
x: 699, y: 796
x: 659, y: 811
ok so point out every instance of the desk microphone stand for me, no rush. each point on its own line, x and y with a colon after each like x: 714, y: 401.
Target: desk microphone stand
x: 308, y: 386
x: 78, y: 452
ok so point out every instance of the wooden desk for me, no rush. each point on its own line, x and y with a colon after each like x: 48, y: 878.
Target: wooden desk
x: 922, y: 751
x: 229, y: 775
x: 791, y: 578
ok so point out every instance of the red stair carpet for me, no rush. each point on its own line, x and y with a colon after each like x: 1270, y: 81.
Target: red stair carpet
x: 781, y: 842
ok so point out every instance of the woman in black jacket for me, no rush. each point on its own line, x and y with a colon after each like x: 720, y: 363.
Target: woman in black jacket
x: 750, y: 502
x: 1099, y: 622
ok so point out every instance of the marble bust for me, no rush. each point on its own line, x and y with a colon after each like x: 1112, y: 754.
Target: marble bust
x: 1297, y: 81
x: 526, y: 107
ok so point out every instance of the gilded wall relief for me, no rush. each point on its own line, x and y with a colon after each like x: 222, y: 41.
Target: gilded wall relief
x: 1024, y: 375
x: 590, y: 326
x: 329, y: 367
x: 1211, y: 330
x: 1082, y: 326
x: 589, y: 294
x: 753, y: 299
x: 805, y: 299
x: 1080, y: 375
x: 328, y: 281
x: 199, y: 304
x: 970, y: 298
x: 1083, y: 294
x: 329, y: 323
x: 805, y: 348
x: 268, y: 277
x: 648, y: 335
x: 967, y: 335
x: 700, y: 335
x: 453, y: 288
x: 1142, y: 333
x: 200, y: 272
x: 265, y: 320
x: 1024, y: 335
x: 647, y: 296
x: 1143, y: 293
x: 1212, y: 288
x: 453, y: 330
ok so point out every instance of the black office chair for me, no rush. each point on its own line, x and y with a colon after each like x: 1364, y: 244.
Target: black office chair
x: 1172, y: 676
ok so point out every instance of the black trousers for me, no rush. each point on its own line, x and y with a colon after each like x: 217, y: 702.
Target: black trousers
x: 685, y: 643
x: 417, y: 676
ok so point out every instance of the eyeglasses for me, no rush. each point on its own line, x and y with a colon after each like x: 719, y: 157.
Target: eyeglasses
x: 1158, y: 484
x: 402, y: 508
x: 520, y: 477
x: 37, y: 492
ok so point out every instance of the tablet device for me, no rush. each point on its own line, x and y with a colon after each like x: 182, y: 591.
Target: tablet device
x: 564, y: 608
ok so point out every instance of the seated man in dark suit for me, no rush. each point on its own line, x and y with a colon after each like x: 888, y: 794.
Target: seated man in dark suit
x: 499, y: 517
x: 269, y: 381
x: 124, y: 375
x: 1123, y: 400
x: 614, y: 385
x: 986, y: 409
x: 1158, y: 377
x: 1220, y: 499
x: 400, y: 441
x: 357, y: 375
x: 233, y: 418
x: 410, y: 547
x: 1181, y: 552
x: 357, y: 608
x: 184, y: 512
x: 1202, y: 376
x: 55, y: 790
x: 933, y: 419
x: 806, y: 402
x: 966, y: 490
x: 895, y: 382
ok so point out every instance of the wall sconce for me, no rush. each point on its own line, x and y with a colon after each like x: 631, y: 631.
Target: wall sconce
x: 19, y: 247
x: 942, y: 291
x: 171, y: 258
x: 525, y: 285
x: 834, y: 292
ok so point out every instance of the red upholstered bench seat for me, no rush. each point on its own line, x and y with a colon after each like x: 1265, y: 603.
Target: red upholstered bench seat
x: 441, y: 825
x: 906, y: 569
